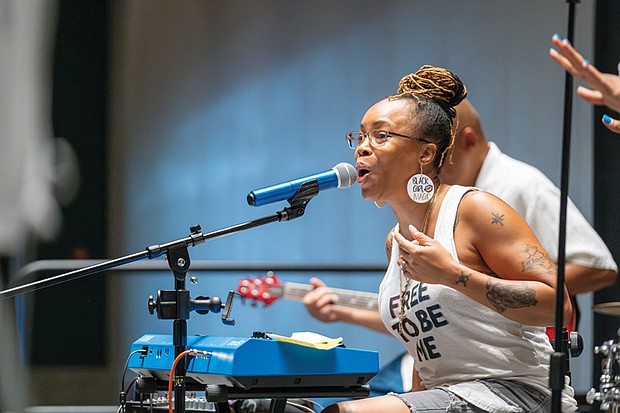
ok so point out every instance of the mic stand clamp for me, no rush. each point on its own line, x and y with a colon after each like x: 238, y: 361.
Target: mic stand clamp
x: 299, y: 201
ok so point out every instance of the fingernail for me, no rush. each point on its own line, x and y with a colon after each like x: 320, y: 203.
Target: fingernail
x: 566, y: 41
x: 411, y: 227
x: 606, y: 119
x: 557, y: 36
x: 586, y: 62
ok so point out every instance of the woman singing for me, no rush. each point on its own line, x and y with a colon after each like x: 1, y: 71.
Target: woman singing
x: 469, y: 289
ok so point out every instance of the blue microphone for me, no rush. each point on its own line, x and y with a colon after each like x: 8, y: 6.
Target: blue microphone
x: 342, y: 175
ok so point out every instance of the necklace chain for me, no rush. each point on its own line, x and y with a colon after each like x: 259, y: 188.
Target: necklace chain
x: 403, y: 291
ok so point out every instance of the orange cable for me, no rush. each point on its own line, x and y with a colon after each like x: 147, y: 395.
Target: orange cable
x: 170, y: 378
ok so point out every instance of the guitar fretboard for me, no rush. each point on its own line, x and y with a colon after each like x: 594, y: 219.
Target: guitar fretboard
x: 348, y: 298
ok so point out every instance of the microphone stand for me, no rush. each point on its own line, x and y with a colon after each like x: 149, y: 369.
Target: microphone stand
x: 559, y: 358
x: 176, y: 304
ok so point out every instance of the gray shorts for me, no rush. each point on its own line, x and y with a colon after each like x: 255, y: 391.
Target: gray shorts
x: 516, y: 395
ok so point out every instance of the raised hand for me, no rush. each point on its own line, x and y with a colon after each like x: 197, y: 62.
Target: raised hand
x: 603, y: 88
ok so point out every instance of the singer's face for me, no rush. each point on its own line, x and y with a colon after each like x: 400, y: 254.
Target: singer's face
x: 383, y: 171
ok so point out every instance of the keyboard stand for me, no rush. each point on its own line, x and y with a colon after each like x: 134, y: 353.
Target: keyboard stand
x: 220, y: 394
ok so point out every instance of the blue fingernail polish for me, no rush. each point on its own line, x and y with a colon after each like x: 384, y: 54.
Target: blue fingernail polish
x: 606, y: 119
x: 557, y: 36
x: 566, y: 41
x: 586, y: 62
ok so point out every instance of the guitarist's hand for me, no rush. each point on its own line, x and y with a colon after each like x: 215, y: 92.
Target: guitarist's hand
x: 320, y: 302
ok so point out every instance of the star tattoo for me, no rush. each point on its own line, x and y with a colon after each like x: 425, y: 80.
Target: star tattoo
x: 497, y: 219
x: 463, y: 278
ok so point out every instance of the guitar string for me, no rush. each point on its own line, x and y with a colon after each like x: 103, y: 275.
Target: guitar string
x: 363, y: 300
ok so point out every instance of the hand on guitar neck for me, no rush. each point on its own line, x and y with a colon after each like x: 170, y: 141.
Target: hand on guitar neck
x: 323, y: 303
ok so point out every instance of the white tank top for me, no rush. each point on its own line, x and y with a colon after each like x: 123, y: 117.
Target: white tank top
x: 454, y: 339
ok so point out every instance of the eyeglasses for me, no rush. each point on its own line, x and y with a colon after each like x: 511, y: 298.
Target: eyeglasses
x: 377, y: 137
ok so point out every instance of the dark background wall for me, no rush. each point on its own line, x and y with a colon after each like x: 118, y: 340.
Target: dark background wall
x: 79, y: 116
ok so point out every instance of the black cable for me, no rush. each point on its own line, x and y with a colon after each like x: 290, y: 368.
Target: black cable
x: 131, y: 384
x: 122, y: 396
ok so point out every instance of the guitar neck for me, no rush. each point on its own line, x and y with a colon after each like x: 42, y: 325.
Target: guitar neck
x: 347, y: 298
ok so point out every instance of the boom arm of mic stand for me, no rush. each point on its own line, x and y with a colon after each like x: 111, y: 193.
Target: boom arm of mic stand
x: 296, y: 209
x: 178, y: 304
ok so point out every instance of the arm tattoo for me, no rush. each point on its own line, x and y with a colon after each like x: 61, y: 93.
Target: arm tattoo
x: 463, y: 278
x: 497, y: 219
x: 536, y: 258
x: 504, y: 296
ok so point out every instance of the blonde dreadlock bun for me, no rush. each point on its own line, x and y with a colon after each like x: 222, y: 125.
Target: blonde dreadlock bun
x: 436, y: 92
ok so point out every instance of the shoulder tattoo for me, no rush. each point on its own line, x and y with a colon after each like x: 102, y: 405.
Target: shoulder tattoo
x: 497, y: 219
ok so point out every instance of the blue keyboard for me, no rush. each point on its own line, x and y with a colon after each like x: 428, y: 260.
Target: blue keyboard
x: 255, y: 363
